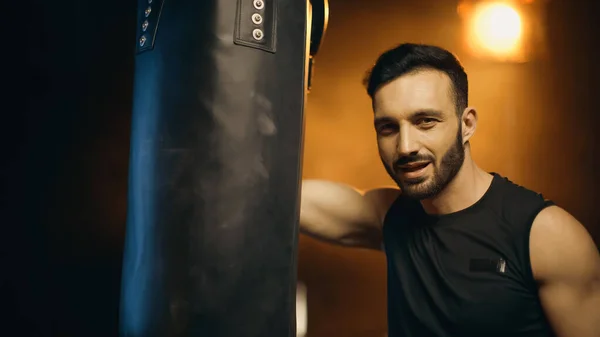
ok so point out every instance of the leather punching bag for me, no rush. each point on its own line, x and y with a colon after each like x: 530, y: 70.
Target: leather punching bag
x: 215, y: 166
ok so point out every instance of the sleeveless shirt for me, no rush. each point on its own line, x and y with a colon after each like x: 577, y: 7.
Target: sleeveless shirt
x: 466, y: 273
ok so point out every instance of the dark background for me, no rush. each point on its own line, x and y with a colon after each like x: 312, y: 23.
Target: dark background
x: 65, y: 162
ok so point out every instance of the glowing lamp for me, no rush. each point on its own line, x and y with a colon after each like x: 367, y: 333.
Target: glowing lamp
x: 509, y: 31
x: 497, y: 28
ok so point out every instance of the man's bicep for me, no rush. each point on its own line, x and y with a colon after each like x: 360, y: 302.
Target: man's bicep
x: 572, y: 308
x: 566, y: 264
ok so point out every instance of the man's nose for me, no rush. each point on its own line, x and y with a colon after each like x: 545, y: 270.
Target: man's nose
x: 407, y: 143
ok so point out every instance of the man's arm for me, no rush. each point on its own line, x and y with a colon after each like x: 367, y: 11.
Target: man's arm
x: 566, y: 264
x: 339, y: 214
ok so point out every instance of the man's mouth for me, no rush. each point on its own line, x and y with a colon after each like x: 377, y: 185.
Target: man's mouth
x: 413, y: 167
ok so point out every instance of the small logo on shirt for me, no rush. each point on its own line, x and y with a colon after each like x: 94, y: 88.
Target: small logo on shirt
x: 487, y: 265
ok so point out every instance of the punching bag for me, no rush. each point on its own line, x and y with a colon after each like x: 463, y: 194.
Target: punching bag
x: 215, y: 166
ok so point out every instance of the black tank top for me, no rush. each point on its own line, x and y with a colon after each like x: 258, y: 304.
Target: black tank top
x: 467, y: 273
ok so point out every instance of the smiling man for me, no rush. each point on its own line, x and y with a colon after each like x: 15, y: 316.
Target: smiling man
x: 469, y: 253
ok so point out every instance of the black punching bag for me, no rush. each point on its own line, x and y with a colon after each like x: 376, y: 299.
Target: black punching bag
x: 215, y: 167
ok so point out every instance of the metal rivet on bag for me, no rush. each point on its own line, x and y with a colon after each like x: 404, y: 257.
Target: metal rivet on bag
x: 145, y: 25
x: 148, y: 11
x: 257, y: 34
x: 259, y: 4
x: 257, y: 18
x: 142, y: 41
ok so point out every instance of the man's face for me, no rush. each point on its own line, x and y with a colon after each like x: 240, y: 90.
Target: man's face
x: 419, y: 132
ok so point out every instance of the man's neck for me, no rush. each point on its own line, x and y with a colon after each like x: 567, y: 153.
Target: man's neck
x: 468, y: 186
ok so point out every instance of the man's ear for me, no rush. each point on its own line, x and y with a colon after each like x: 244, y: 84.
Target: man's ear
x: 469, y: 123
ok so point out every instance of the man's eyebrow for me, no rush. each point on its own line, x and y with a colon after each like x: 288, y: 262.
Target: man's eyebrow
x: 417, y: 114
x: 383, y: 119
x: 427, y: 113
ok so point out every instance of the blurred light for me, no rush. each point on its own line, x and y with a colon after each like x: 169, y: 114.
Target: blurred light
x: 301, y: 310
x: 497, y: 28
x: 504, y: 30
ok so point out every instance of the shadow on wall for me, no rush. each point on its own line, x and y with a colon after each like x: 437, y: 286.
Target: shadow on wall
x: 524, y: 124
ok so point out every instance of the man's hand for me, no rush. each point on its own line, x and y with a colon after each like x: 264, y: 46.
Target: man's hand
x: 566, y: 264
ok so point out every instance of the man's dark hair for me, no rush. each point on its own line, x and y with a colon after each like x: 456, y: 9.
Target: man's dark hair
x: 410, y: 57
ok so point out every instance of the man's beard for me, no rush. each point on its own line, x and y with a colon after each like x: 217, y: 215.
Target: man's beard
x: 430, y: 186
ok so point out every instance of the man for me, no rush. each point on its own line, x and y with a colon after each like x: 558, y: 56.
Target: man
x: 469, y: 253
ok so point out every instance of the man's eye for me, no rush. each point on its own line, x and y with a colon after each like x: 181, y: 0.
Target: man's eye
x: 426, y: 122
x: 386, y: 129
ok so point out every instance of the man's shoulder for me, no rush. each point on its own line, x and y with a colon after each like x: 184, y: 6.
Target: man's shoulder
x: 510, y: 187
x: 517, y: 201
x: 383, y: 198
x: 560, y: 243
